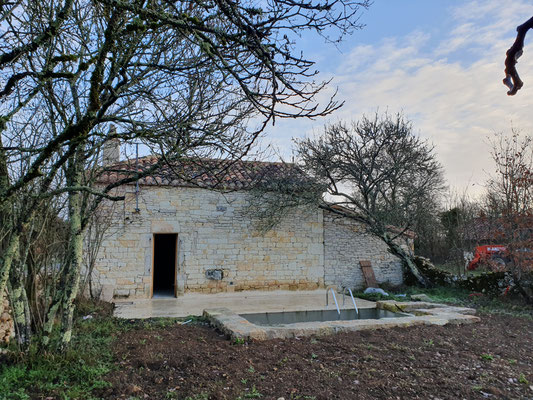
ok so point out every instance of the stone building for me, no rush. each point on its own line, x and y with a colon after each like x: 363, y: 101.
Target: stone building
x: 173, y: 235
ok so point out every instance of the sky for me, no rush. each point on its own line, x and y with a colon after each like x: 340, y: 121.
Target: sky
x: 440, y: 63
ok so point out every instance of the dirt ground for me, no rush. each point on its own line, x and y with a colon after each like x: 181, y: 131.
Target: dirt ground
x: 490, y: 359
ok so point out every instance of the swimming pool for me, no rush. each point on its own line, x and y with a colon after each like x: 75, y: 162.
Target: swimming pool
x: 386, y: 314
x: 293, y: 317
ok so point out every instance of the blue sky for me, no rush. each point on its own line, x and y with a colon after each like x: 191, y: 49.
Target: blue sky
x: 440, y: 62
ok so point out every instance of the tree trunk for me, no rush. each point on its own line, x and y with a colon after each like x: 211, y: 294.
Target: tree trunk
x: 75, y: 250
x: 70, y: 291
x: 69, y: 280
x: 50, y: 319
x: 524, y: 288
x: 20, y: 308
x: 9, y: 244
x: 67, y: 290
x: 524, y: 292
x: 6, y: 260
x: 406, y: 258
x: 91, y: 247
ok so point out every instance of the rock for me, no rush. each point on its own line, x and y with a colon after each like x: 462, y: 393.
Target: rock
x: 421, y: 297
x: 372, y: 290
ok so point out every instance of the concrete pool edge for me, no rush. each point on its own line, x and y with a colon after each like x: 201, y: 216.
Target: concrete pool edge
x: 424, y: 313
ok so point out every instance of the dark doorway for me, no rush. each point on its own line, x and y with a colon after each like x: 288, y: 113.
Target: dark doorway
x: 165, y: 264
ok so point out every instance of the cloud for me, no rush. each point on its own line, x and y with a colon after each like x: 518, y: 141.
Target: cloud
x: 449, y: 85
x: 451, y: 90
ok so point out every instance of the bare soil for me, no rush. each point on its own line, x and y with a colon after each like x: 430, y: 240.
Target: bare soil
x: 490, y: 359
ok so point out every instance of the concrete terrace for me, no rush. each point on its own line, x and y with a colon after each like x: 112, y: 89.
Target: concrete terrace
x: 238, y: 302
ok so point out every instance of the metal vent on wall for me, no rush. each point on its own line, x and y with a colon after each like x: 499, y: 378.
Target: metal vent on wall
x: 215, y: 274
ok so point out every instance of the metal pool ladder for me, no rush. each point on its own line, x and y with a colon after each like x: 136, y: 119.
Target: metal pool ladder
x: 330, y: 288
x: 351, y: 295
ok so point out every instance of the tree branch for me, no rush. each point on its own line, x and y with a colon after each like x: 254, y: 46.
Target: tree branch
x: 512, y: 80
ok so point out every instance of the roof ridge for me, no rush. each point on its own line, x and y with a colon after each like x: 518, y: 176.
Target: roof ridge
x: 200, y: 172
x: 155, y: 156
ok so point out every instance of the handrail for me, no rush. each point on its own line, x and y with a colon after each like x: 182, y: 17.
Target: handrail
x: 351, y: 295
x: 334, y: 298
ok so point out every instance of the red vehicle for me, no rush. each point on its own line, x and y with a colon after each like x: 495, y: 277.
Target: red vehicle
x: 495, y: 255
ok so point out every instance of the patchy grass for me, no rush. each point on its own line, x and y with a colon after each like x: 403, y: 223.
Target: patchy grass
x: 439, y: 294
x: 442, y: 294
x: 77, y: 373
x: 74, y: 374
x: 452, y: 267
x: 511, y: 306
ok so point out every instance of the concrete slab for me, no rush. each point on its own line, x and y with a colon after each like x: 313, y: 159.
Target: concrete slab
x: 238, y: 302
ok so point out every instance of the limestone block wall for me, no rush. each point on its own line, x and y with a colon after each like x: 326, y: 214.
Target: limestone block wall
x: 345, y: 244
x: 213, y: 232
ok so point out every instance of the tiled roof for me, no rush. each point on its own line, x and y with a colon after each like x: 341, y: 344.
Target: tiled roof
x: 204, y: 173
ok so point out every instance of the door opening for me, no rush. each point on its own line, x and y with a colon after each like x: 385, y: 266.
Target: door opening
x: 164, y: 267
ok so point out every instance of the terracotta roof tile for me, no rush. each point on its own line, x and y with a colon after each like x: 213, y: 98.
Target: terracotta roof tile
x: 204, y: 173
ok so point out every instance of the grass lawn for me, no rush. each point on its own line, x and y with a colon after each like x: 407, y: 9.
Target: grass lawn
x: 165, y: 359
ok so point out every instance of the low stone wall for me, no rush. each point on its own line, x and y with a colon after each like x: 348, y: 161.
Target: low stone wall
x: 7, y: 328
x: 492, y: 283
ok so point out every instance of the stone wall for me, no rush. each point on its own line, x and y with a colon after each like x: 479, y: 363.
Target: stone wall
x: 213, y: 233
x: 307, y: 250
x: 7, y: 329
x: 345, y: 244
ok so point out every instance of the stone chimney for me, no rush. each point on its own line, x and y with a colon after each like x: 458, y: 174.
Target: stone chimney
x: 111, y: 149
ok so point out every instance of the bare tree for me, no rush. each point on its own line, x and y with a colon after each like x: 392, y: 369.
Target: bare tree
x: 511, y: 189
x: 459, y: 223
x: 510, y: 206
x: 376, y: 171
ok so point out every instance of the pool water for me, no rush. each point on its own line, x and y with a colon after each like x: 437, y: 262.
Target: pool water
x: 293, y: 317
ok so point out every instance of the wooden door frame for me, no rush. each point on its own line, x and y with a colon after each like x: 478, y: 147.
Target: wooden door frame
x: 175, y: 262
x: 153, y: 266
x: 176, y: 267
